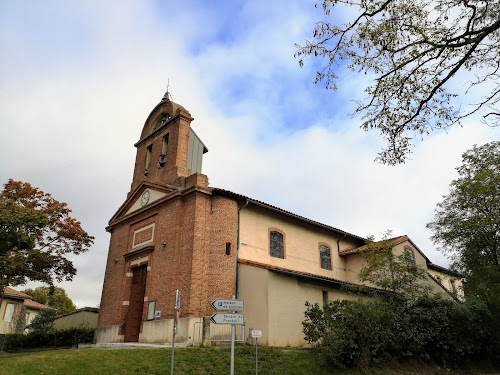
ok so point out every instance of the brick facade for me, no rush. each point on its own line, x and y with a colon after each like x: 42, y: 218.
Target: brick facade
x: 189, y: 227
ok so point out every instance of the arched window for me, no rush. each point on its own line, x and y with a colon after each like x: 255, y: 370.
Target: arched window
x: 276, y: 244
x: 149, y: 152
x: 409, y: 255
x: 325, y: 257
x: 164, y: 147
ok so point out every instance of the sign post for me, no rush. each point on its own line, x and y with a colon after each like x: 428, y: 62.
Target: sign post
x: 233, y: 333
x: 233, y: 319
x: 256, y: 334
x: 177, y: 306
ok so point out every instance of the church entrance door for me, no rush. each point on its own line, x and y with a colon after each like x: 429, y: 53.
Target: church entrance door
x: 134, y: 315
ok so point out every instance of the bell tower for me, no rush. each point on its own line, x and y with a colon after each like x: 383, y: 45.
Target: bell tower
x: 171, y: 233
x: 169, y: 150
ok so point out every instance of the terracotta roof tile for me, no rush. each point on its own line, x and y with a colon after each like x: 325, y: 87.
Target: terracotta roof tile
x: 354, y: 250
x: 36, y: 305
x: 298, y: 273
x: 14, y: 293
x: 280, y: 210
x: 28, y: 302
x: 395, y: 241
x: 88, y: 309
x: 435, y: 267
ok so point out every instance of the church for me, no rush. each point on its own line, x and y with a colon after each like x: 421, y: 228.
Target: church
x: 174, y: 231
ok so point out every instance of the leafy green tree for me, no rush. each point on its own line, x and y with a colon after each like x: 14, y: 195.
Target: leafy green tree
x: 37, y: 234
x: 467, y: 222
x: 54, y: 297
x: 44, y: 321
x: 396, y: 275
x: 402, y: 322
x: 414, y: 49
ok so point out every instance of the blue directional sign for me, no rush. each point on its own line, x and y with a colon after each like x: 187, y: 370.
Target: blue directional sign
x: 228, y: 304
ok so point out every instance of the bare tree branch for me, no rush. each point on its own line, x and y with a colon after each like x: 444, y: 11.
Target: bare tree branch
x: 415, y: 50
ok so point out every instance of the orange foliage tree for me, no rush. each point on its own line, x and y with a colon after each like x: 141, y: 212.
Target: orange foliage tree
x: 36, y: 235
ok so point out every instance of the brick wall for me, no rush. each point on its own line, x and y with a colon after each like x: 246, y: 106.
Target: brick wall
x: 176, y: 163
x: 195, y: 228
x: 190, y: 230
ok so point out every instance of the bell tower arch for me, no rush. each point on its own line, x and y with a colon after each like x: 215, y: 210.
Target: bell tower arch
x: 168, y: 149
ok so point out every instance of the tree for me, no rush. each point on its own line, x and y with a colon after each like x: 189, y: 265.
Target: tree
x: 414, y: 49
x: 44, y: 321
x: 467, y: 222
x: 36, y: 235
x: 405, y: 321
x: 397, y: 275
x: 54, y: 297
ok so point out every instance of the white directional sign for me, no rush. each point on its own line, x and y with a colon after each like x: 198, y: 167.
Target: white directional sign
x: 223, y: 318
x: 256, y: 333
x: 228, y: 304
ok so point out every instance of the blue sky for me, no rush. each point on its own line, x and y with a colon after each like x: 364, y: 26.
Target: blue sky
x: 79, y: 78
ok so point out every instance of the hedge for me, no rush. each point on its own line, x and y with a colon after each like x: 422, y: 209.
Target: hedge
x: 63, y: 338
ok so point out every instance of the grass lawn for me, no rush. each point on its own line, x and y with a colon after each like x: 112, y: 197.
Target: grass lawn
x: 188, y: 361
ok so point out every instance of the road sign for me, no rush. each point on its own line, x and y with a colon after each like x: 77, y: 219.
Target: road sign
x: 228, y: 304
x: 177, y: 299
x: 223, y: 318
x: 256, y: 333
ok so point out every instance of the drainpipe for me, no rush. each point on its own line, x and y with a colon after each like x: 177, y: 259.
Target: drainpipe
x: 338, y: 251
x: 238, y: 251
x: 338, y: 243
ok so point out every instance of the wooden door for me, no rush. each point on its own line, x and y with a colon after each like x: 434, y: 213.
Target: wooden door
x: 134, y: 315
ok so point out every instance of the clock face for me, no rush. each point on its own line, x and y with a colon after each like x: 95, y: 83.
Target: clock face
x: 145, y: 198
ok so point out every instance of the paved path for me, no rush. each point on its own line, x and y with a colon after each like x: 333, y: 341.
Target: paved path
x: 124, y: 345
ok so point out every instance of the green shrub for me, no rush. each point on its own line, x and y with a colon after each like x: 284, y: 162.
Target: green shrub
x: 14, y: 341
x: 366, y: 332
x: 44, y: 321
x: 53, y: 339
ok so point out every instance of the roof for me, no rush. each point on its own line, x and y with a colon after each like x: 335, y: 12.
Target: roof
x: 175, y: 110
x: 35, y: 305
x: 305, y: 275
x: 282, y: 211
x: 28, y: 302
x: 83, y: 309
x: 355, y: 250
x: 435, y: 267
x: 12, y: 293
x: 392, y: 241
x: 175, y: 106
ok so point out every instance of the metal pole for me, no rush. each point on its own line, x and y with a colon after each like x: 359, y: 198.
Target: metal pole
x: 173, y: 352
x: 232, y: 346
x: 174, y: 332
x: 173, y: 345
x: 256, y: 356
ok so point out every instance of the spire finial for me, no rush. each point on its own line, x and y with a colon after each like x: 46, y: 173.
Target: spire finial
x: 167, y: 95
